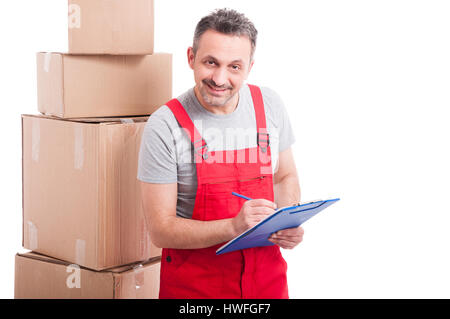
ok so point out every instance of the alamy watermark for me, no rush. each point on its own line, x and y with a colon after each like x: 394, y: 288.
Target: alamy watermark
x: 74, y: 279
x: 74, y: 16
x: 241, y: 144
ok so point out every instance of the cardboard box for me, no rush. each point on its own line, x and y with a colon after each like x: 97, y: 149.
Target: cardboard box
x: 42, y: 277
x: 111, y: 27
x: 73, y: 86
x: 81, y: 197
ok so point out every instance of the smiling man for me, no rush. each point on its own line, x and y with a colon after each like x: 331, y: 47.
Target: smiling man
x: 221, y: 136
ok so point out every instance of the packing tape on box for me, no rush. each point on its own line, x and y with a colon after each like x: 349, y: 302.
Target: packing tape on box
x: 139, y: 278
x: 32, y: 232
x: 80, y: 251
x: 124, y: 121
x: 78, y: 147
x: 132, y: 133
x: 144, y: 239
x: 35, y: 139
x: 47, y: 61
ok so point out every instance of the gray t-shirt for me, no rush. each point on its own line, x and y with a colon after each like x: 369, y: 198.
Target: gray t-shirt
x: 167, y: 156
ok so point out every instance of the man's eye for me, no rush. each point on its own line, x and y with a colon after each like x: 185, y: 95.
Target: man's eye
x: 236, y: 67
x: 210, y: 62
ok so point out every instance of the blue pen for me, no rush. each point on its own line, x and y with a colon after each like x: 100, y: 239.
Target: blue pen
x: 241, y: 196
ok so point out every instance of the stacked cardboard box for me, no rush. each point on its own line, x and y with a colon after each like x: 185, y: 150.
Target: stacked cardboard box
x: 81, y: 198
x: 81, y: 86
x: 43, y: 277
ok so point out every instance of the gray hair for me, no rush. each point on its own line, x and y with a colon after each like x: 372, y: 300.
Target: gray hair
x: 226, y: 21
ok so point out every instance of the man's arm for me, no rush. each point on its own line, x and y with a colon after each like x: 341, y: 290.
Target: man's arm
x: 169, y: 231
x: 286, y: 184
x: 287, y: 193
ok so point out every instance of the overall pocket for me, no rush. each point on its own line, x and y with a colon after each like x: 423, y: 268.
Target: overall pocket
x: 220, y: 203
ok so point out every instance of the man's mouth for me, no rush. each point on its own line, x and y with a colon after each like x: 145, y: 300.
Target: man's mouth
x: 215, y: 89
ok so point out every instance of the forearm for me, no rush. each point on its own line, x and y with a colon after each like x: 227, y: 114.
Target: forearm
x: 287, y: 191
x: 182, y: 233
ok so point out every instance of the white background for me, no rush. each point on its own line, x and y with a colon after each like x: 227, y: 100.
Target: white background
x: 366, y: 84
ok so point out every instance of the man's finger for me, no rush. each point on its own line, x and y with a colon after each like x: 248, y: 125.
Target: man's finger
x: 262, y: 202
x: 287, y: 238
x: 262, y: 211
x: 285, y: 244
x: 294, y: 237
x: 291, y: 232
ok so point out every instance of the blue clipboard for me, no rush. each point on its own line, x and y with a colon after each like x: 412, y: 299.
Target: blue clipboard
x: 286, y: 217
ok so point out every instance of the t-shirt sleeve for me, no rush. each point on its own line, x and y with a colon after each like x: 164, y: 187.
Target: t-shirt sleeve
x: 281, y: 116
x: 157, y: 157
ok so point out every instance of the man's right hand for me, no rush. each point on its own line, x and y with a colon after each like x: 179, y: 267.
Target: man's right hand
x: 251, y: 213
x: 167, y: 230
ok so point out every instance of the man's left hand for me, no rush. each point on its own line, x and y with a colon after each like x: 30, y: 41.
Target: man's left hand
x: 287, y: 238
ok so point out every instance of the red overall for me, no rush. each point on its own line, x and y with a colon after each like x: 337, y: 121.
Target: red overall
x: 249, y: 273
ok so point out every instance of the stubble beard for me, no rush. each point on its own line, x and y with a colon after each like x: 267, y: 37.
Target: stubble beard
x: 212, y: 100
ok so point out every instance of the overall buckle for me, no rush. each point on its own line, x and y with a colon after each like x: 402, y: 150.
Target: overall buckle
x: 259, y: 140
x: 201, y: 150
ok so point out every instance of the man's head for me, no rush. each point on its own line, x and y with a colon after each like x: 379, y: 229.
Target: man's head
x: 222, y: 56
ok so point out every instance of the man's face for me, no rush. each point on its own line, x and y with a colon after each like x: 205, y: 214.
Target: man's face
x: 221, y: 66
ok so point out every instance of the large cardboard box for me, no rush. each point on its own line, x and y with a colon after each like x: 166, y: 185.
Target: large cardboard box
x: 42, y: 277
x: 111, y: 27
x: 72, y: 86
x: 81, y: 197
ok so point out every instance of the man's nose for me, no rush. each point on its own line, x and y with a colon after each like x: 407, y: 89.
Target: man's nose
x: 220, y: 76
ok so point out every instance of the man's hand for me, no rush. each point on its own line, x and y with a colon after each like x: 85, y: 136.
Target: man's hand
x: 287, y: 238
x: 251, y: 213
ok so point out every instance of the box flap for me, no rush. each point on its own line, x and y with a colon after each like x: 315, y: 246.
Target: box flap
x: 115, y: 270
x: 132, y: 266
x: 140, y: 282
x: 41, y: 277
x: 94, y: 120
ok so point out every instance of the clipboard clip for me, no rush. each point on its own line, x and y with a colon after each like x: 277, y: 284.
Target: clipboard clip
x: 267, y: 141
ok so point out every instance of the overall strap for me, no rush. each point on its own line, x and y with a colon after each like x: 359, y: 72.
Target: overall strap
x: 200, y: 146
x: 262, y: 137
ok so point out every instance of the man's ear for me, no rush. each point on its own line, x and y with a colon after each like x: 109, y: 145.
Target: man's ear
x: 191, y: 57
x: 251, y: 66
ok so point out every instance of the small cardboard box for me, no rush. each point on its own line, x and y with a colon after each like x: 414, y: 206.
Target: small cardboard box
x: 111, y: 27
x: 74, y: 86
x: 81, y: 197
x: 42, y: 277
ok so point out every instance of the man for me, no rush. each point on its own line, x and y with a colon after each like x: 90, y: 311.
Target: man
x: 220, y: 137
